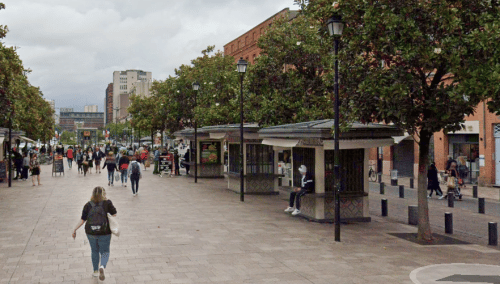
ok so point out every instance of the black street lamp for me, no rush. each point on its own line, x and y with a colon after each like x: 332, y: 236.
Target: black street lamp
x: 335, y: 28
x: 242, y: 69
x: 196, y: 87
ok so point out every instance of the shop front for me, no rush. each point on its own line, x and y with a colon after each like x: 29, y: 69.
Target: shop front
x: 311, y: 144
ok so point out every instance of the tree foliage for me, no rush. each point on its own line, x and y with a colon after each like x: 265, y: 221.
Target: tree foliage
x: 421, y: 65
x: 21, y: 102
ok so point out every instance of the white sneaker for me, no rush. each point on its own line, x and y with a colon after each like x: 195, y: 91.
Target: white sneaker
x: 428, y: 196
x: 101, y: 273
x: 296, y: 212
x: 289, y: 209
x: 133, y: 194
x: 96, y: 273
x: 441, y: 197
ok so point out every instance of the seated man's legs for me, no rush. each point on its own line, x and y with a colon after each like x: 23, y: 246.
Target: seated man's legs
x: 299, y: 194
x: 293, y: 194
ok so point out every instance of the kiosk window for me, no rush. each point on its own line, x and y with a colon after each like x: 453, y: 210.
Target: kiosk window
x: 260, y: 159
x: 234, y: 158
x: 306, y: 157
x: 351, y: 170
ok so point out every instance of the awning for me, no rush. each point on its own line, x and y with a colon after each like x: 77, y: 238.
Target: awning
x: 220, y: 135
x: 285, y: 143
x: 398, y: 139
x: 468, y: 127
x: 27, y: 139
x: 358, y: 144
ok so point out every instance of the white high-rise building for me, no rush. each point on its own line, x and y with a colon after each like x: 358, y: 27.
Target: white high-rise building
x: 91, y: 108
x: 126, y: 83
x: 52, y: 104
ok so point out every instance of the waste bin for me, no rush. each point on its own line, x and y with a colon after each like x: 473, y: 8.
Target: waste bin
x: 394, y: 177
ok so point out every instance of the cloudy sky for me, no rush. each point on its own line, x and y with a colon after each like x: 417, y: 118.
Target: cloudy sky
x: 73, y: 46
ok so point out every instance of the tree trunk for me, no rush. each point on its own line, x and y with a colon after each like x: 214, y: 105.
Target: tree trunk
x: 152, y: 138
x: 424, y: 227
x: 161, y: 139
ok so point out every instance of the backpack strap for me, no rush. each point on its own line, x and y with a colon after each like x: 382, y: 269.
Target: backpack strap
x: 92, y: 204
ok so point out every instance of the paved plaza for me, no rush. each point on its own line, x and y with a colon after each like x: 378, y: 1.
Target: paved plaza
x: 176, y: 231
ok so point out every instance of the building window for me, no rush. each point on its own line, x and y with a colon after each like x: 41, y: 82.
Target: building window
x: 351, y: 173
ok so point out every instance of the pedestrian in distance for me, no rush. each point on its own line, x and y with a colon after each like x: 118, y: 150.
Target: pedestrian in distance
x: 433, y: 181
x: 135, y: 174
x: 453, y: 173
x: 95, y: 218
x: 69, y: 157
x: 110, y: 163
x: 79, y: 160
x: 307, y: 186
x: 35, y: 169
x: 176, y: 162
x: 85, y: 162
x: 144, y: 156
x: 18, y: 163
x: 157, y: 161
x: 90, y: 159
x: 123, y: 164
x: 26, y: 166
x: 98, y: 155
x: 186, y: 161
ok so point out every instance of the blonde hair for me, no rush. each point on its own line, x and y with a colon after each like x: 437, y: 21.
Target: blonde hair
x: 98, y: 194
x: 110, y: 153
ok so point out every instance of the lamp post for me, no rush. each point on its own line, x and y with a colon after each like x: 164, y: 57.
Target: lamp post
x: 196, y: 87
x: 242, y: 69
x: 335, y: 28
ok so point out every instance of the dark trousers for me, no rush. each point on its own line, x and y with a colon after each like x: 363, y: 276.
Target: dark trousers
x: 295, y: 197
x: 25, y: 172
x: 135, y: 184
x: 19, y: 170
x: 187, y: 169
x: 438, y: 191
x: 177, y: 169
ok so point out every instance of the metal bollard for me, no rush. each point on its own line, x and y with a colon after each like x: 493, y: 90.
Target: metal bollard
x: 411, y: 183
x: 384, y: 207
x: 382, y: 188
x: 401, y: 191
x: 451, y: 199
x: 379, y: 178
x: 481, y: 206
x: 448, y: 223
x: 474, y: 191
x: 394, y: 182
x: 413, y: 215
x: 492, y: 234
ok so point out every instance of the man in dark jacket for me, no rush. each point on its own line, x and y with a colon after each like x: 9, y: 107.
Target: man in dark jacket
x: 98, y: 156
x: 307, y: 186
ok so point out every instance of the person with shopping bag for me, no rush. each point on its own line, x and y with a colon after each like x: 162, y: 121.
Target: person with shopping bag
x: 98, y: 229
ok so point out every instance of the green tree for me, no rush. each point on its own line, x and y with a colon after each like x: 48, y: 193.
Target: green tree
x: 421, y: 65
x: 286, y: 83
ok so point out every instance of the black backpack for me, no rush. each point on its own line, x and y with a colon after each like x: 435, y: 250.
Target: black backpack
x: 135, y: 169
x: 97, y: 220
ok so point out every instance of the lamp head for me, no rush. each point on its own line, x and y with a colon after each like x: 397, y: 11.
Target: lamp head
x: 242, y: 65
x: 196, y: 86
x: 335, y: 25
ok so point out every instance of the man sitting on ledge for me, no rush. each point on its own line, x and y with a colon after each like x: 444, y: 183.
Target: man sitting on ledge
x: 307, y: 185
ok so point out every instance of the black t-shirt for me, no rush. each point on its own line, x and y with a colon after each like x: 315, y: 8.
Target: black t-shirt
x: 108, y: 208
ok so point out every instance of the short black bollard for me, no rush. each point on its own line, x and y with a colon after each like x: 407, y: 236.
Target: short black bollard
x: 492, y: 234
x: 413, y: 215
x: 382, y: 188
x: 394, y: 182
x: 384, y: 207
x: 411, y: 183
x: 481, y: 206
x: 448, y: 223
x: 401, y: 191
x: 474, y: 191
x: 451, y: 199
x: 379, y: 178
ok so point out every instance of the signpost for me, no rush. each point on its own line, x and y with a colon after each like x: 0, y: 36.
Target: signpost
x: 58, y: 165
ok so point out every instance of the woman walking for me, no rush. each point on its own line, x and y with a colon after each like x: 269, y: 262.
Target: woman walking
x: 90, y: 156
x: 79, y: 160
x: 35, y: 169
x: 94, y: 215
x: 123, y: 166
x: 433, y: 181
x: 110, y: 163
x: 453, y: 173
x: 69, y: 156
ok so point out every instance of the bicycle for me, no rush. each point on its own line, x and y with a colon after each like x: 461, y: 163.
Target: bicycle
x: 372, y: 176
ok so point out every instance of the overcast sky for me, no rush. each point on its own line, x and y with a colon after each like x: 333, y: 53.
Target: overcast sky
x: 73, y: 46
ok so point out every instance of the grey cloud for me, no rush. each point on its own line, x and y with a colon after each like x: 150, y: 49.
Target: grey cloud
x: 74, y: 46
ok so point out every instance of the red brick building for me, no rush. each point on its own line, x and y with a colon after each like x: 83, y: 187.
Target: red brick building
x: 246, y: 45
x: 108, y: 104
x: 476, y: 146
